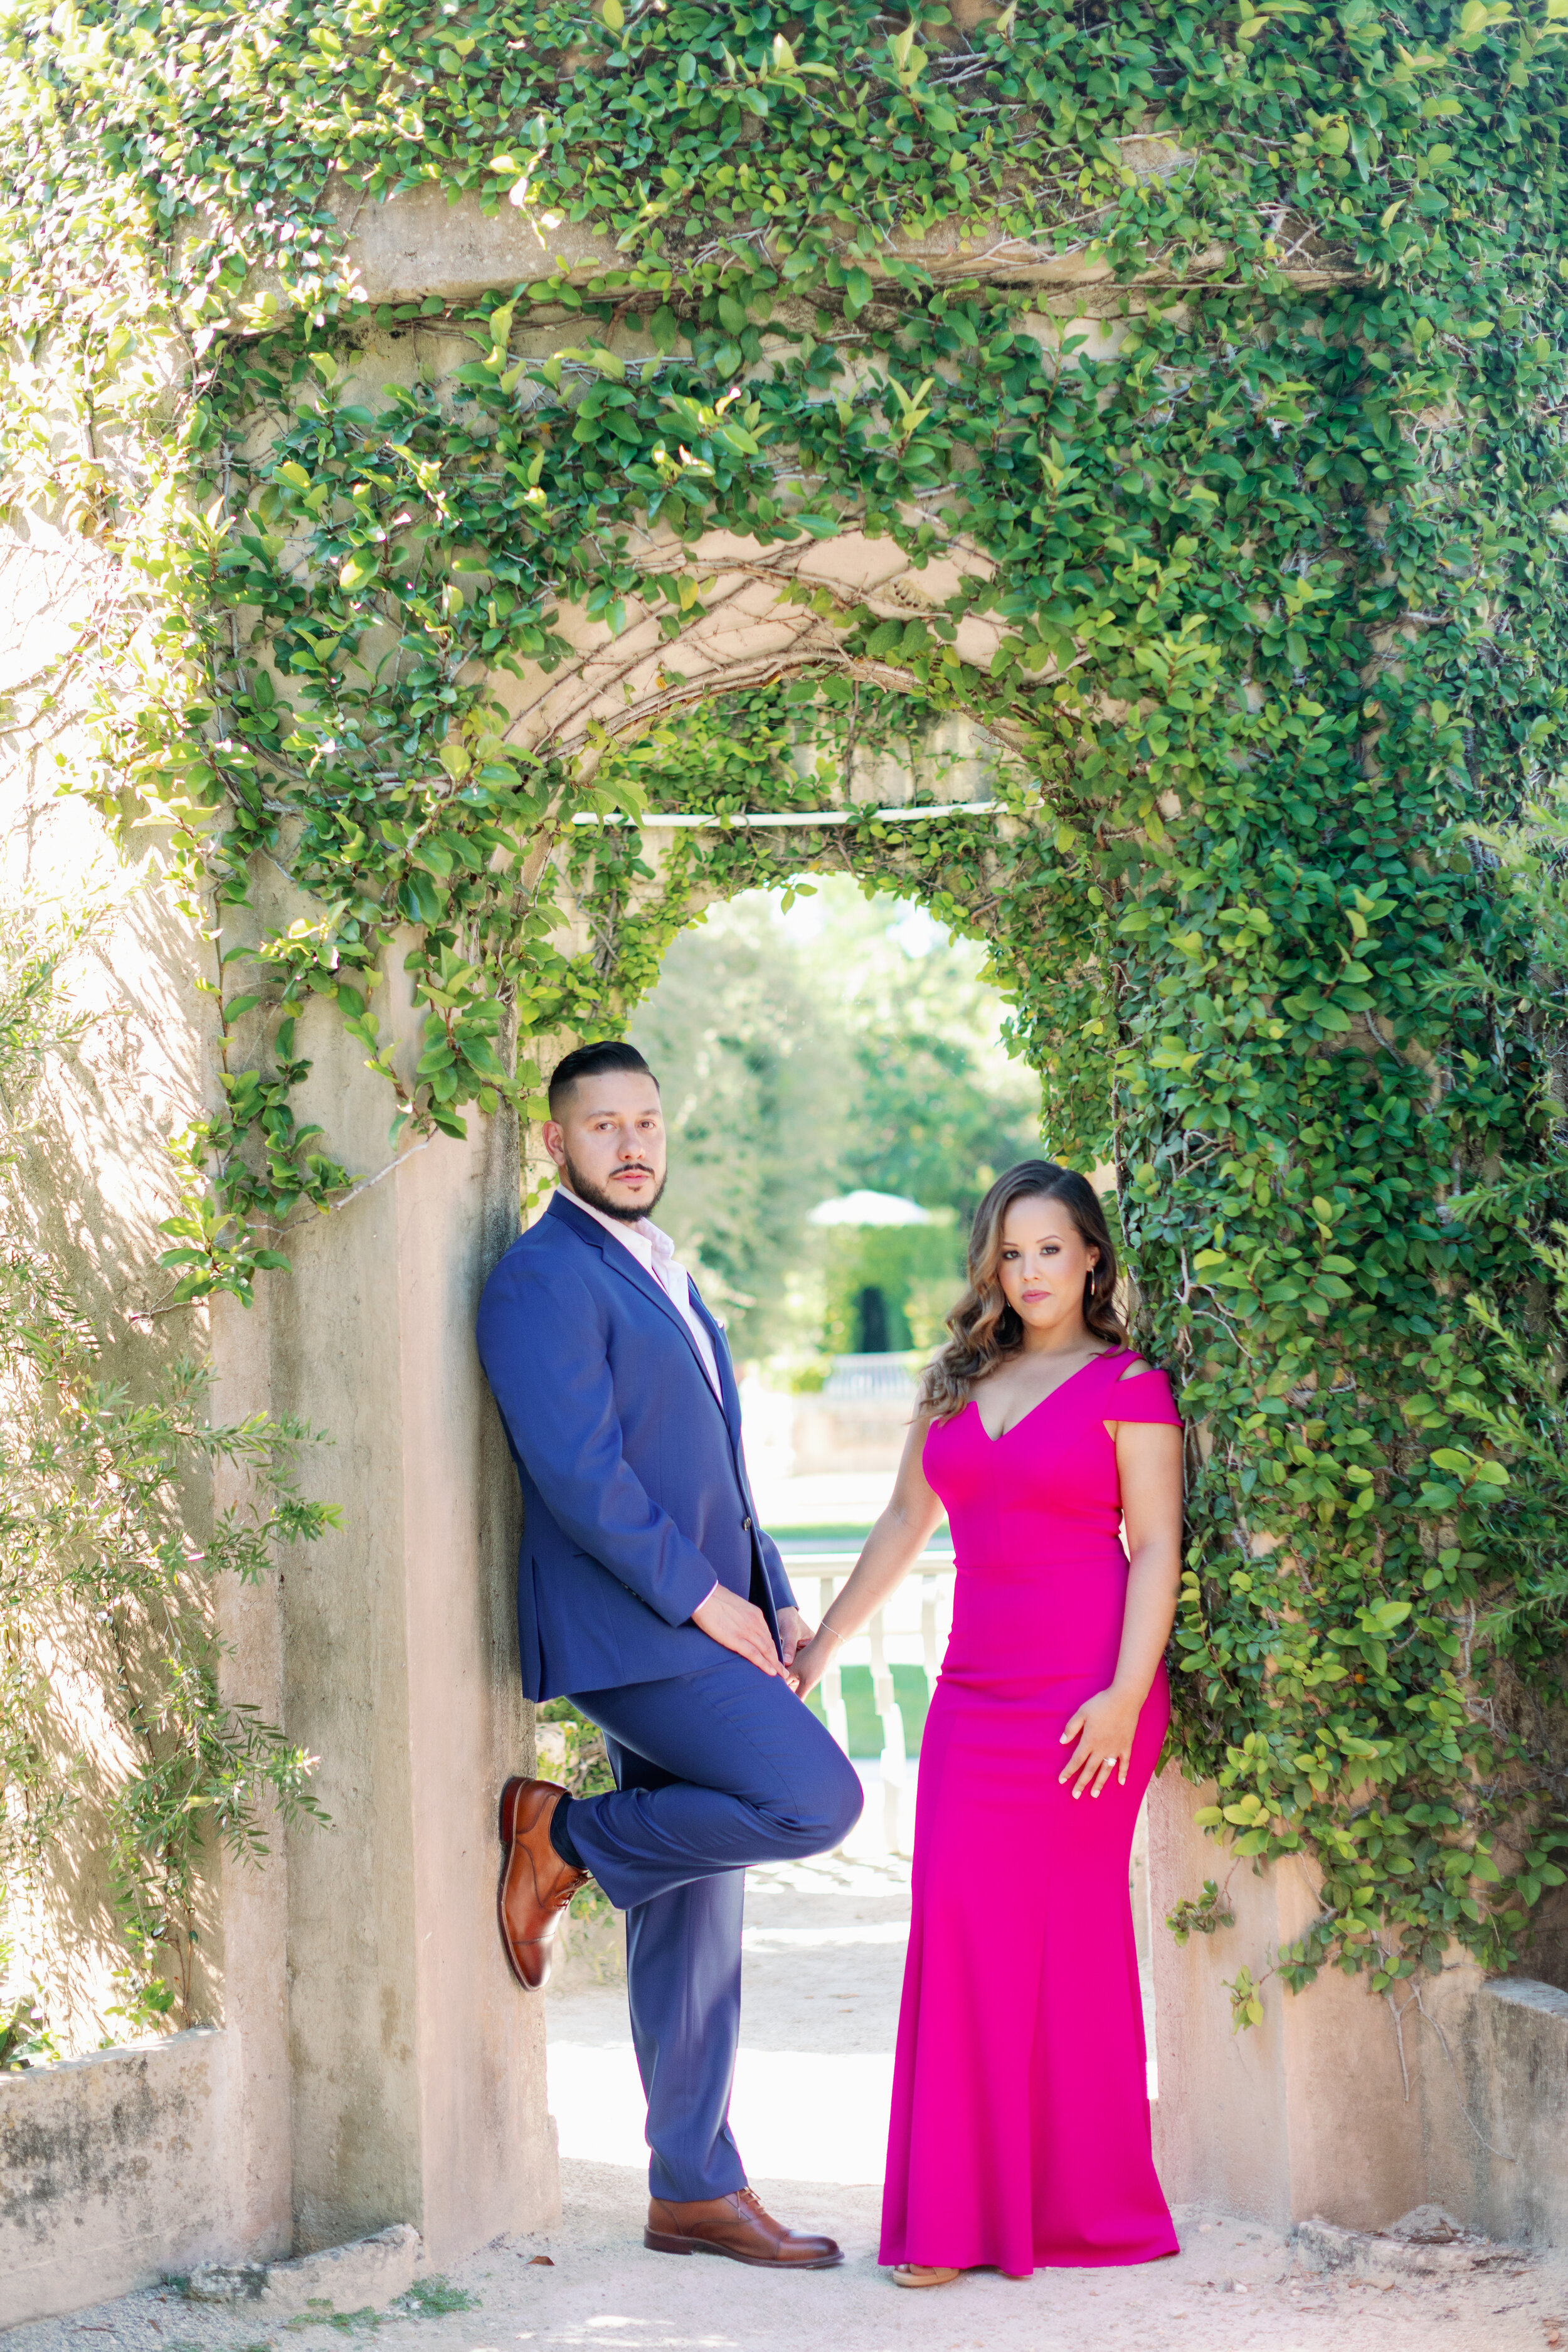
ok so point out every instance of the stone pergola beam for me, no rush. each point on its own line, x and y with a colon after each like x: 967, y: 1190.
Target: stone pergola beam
x: 418, y: 245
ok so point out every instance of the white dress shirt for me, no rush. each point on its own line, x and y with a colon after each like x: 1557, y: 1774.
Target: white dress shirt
x: 655, y: 1253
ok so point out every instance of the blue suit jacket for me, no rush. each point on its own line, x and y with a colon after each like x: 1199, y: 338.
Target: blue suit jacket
x: 634, y: 1483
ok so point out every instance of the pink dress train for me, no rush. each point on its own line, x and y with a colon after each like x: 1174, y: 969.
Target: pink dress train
x: 1020, y: 2118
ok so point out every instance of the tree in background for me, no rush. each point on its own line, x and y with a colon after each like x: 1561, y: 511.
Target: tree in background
x: 851, y: 1044
x: 889, y: 1286
x: 754, y: 1102
x: 938, y: 1108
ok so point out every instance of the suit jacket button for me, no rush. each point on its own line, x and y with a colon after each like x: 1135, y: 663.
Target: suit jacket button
x: 745, y: 1527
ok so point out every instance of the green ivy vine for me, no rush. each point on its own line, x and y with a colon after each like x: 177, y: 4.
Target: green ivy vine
x: 1280, y: 589
x: 106, y: 1573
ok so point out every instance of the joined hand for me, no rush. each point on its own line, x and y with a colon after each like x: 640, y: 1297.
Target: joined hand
x: 793, y: 1633
x: 812, y: 1659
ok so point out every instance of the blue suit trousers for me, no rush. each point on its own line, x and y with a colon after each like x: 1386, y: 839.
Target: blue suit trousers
x: 713, y: 1770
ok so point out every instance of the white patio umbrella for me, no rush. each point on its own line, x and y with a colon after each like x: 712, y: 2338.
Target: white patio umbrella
x: 864, y: 1208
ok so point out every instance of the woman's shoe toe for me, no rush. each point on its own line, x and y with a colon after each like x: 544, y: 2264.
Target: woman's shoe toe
x: 921, y: 2275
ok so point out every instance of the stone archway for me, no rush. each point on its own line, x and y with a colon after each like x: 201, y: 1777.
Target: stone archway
x: 396, y: 2072
x: 750, y: 632
x: 1331, y: 2107
x: 420, y: 246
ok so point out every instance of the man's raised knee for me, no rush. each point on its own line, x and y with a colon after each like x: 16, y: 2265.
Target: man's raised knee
x: 851, y: 1798
x: 829, y: 1799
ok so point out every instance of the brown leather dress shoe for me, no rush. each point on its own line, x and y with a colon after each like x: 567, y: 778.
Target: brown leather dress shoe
x: 737, y: 2227
x: 536, y: 1885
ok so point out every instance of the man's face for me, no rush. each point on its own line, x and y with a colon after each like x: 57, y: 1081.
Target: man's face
x: 610, y: 1142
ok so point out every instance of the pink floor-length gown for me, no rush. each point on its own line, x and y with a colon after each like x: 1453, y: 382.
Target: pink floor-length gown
x: 1020, y: 2116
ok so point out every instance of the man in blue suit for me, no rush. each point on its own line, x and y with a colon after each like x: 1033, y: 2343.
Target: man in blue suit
x: 648, y: 1593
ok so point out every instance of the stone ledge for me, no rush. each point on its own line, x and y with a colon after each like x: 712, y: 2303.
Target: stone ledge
x: 1525, y: 1992
x: 1424, y: 2243
x: 115, y: 2170
x: 417, y: 244
x: 367, y: 2273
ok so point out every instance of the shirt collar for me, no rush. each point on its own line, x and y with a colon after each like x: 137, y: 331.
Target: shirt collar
x: 645, y: 1240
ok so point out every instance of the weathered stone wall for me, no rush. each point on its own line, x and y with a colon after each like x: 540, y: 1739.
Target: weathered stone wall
x: 376, y: 2063
x: 115, y: 2168
x: 1507, y: 2059
x: 93, y: 1179
x: 1344, y: 2105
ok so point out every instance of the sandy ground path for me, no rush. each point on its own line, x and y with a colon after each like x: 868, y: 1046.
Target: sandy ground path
x: 1232, y: 2289
x: 823, y: 1960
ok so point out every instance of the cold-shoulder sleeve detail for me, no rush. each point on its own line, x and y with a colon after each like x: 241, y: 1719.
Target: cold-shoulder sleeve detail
x: 1139, y: 1397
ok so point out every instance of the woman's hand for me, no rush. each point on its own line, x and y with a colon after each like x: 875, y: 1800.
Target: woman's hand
x: 1104, y: 1728
x: 793, y: 1633
x: 812, y: 1660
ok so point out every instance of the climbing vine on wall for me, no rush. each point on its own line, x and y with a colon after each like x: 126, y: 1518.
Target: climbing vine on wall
x: 106, y: 1584
x: 1280, y: 588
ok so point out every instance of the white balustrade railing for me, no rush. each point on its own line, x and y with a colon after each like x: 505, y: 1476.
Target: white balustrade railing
x: 916, y: 1621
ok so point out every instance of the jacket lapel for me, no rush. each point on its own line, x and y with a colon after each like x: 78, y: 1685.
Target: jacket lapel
x: 731, y: 1394
x: 621, y: 1261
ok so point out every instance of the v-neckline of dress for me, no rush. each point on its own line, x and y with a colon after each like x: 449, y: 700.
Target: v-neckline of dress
x: 1004, y: 1435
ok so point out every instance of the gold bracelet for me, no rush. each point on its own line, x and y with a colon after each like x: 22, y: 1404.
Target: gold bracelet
x: 826, y: 1628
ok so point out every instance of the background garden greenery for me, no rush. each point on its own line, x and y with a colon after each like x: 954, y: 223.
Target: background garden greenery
x: 1283, y: 589
x: 800, y: 1060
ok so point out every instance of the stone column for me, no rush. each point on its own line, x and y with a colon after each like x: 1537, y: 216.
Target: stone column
x: 252, y: 1897
x: 417, y: 2064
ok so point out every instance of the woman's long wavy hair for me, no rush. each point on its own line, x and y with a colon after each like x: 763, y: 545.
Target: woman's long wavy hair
x: 985, y: 1329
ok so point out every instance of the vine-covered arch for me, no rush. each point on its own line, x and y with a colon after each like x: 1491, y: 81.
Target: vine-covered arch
x: 753, y: 790
x: 1259, y: 587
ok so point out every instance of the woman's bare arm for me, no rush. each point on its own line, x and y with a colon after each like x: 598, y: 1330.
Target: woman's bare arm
x: 1149, y: 1464
x: 889, y: 1553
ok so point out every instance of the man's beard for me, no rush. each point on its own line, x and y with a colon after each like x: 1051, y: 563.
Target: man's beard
x: 586, y: 1190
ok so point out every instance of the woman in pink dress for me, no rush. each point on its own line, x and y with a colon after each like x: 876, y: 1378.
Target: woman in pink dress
x: 1020, y: 2119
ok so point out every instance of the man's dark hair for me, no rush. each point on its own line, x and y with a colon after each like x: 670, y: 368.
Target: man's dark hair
x: 588, y: 1062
